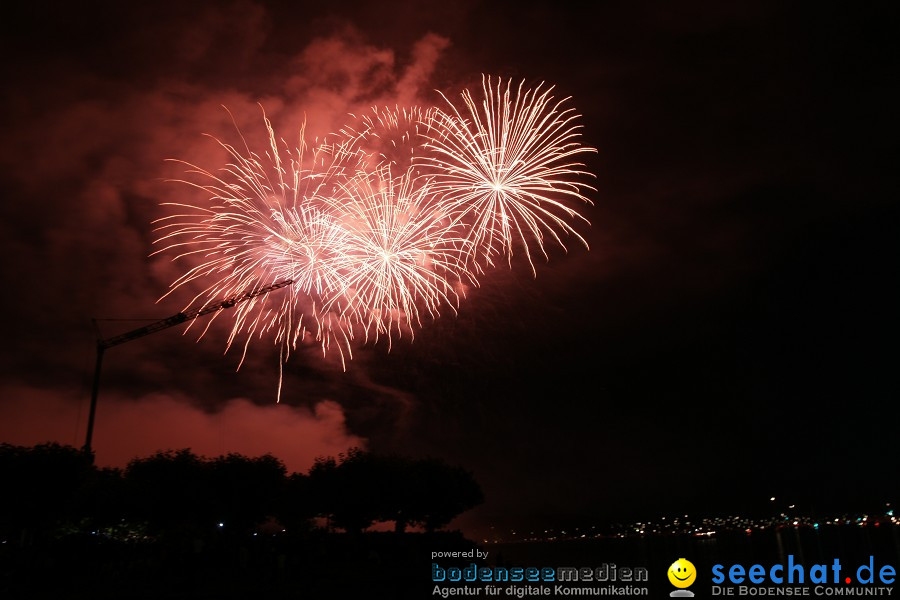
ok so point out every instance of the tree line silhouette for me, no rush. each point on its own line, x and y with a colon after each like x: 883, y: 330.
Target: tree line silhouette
x: 51, y: 491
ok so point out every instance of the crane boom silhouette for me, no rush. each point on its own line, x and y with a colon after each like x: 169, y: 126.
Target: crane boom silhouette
x: 177, y: 319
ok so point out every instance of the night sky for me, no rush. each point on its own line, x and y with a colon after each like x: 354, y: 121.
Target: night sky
x: 731, y: 335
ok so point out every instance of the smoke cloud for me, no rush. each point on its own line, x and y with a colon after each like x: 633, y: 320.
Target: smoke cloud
x: 126, y: 429
x: 88, y: 134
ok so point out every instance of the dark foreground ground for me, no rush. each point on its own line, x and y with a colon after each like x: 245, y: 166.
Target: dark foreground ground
x: 387, y: 565
x: 382, y: 565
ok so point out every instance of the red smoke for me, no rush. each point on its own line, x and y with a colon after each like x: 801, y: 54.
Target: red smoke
x: 87, y: 165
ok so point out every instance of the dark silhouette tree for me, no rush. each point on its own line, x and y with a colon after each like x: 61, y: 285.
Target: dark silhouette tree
x: 440, y: 493
x: 182, y: 493
x: 344, y: 489
x: 245, y: 491
x: 41, y: 487
x: 52, y: 489
x: 360, y: 487
x: 104, y: 501
x: 171, y: 491
x: 296, y: 506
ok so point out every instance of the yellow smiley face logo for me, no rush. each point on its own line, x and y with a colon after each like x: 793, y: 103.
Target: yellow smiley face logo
x: 682, y: 573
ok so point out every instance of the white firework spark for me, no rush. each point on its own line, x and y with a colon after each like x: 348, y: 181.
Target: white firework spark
x: 508, y: 163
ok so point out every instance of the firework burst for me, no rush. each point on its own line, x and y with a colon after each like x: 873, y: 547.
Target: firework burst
x: 262, y: 225
x: 368, y: 253
x: 403, y: 258
x: 384, y: 225
x: 507, y: 164
x: 387, y: 137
